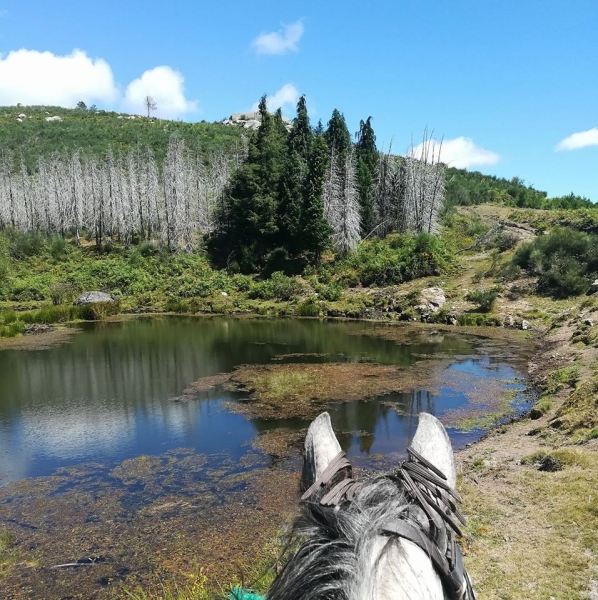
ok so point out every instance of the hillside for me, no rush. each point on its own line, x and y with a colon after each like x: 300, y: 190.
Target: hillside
x: 96, y: 131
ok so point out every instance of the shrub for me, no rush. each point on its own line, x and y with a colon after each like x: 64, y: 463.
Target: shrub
x: 147, y: 249
x: 565, y: 261
x: 98, y: 310
x: 398, y: 258
x: 22, y: 245
x: 57, y: 247
x: 331, y: 292
x: 484, y: 298
x: 279, y: 287
x: 310, y: 307
x: 8, y: 316
x: 61, y: 292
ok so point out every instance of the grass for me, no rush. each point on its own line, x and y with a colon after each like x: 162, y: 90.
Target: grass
x: 8, y: 553
x: 538, y: 535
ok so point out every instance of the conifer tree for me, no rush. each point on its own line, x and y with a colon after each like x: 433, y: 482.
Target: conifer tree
x: 301, y: 135
x: 337, y: 134
x: 290, y: 201
x: 315, y: 228
x: 367, y: 159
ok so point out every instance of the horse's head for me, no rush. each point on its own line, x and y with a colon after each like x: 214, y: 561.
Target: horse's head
x: 388, y: 538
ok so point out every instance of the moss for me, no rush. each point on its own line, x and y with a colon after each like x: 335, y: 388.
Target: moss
x: 540, y: 408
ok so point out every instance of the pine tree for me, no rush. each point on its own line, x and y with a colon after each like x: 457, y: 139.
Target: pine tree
x: 367, y: 159
x: 301, y: 135
x: 315, y: 228
x: 290, y: 200
x: 337, y: 134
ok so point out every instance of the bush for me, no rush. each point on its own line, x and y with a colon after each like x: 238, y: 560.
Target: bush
x: 61, y: 292
x: 22, y: 245
x: 310, y: 307
x: 98, y: 310
x: 331, y: 292
x: 565, y: 261
x: 398, y: 258
x: 147, y: 249
x: 484, y: 298
x: 57, y: 247
x: 278, y: 287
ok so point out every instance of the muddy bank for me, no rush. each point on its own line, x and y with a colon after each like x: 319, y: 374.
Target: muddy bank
x: 39, y: 341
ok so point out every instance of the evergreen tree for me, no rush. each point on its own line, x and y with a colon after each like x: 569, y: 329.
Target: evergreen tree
x: 367, y: 159
x: 301, y: 136
x: 315, y: 228
x: 319, y: 128
x: 290, y: 200
x: 337, y: 134
x: 248, y: 227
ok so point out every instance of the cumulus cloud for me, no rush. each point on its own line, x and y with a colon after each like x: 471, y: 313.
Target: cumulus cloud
x: 32, y: 77
x: 279, y: 42
x: 460, y: 152
x: 166, y: 86
x: 286, y: 97
x: 581, y: 139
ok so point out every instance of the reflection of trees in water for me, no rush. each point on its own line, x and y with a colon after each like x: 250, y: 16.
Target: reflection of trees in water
x: 360, y: 421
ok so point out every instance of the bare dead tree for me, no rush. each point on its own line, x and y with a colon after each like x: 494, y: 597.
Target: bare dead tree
x: 423, y: 187
x: 150, y: 105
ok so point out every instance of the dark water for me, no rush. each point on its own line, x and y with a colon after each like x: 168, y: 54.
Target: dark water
x: 106, y: 395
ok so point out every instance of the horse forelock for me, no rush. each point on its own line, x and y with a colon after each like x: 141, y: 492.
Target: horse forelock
x: 342, y: 555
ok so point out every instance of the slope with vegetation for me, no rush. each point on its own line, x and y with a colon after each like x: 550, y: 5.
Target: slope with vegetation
x: 307, y: 223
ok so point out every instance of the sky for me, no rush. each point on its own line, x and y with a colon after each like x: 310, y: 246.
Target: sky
x: 509, y: 86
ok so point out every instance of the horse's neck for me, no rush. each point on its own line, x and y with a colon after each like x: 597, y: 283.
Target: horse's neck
x: 400, y: 572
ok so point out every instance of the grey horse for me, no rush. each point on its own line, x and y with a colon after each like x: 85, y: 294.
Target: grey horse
x: 388, y: 538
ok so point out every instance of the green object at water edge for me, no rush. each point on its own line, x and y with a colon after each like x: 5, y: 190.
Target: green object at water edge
x: 238, y: 593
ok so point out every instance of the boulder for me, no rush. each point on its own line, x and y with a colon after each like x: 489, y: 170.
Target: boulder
x: 593, y: 288
x: 93, y: 297
x: 432, y: 299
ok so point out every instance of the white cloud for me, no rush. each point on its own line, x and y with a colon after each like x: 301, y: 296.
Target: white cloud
x: 279, y: 42
x: 166, y: 86
x: 581, y: 139
x: 286, y: 96
x: 460, y: 152
x: 32, y: 77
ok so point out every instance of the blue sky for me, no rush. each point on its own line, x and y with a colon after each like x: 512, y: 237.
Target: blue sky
x: 505, y: 83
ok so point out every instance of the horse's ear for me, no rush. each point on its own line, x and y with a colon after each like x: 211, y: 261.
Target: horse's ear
x: 321, y: 446
x: 432, y: 442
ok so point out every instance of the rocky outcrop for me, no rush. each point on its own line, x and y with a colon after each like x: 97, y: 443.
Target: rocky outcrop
x: 93, y: 298
x: 431, y: 300
x: 251, y: 120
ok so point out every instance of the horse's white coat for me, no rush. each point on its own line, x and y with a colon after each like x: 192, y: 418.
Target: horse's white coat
x: 321, y: 447
x: 404, y: 571
x: 432, y: 442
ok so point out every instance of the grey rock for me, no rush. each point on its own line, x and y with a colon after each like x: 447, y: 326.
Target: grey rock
x: 524, y: 324
x: 589, y: 322
x: 593, y: 288
x: 93, y: 297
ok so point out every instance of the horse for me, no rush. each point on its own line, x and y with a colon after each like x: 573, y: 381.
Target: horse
x: 387, y: 538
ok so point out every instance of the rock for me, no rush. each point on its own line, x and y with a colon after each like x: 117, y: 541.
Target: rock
x: 509, y: 321
x: 252, y: 120
x: 223, y: 294
x: 524, y: 324
x: 93, y: 297
x: 432, y: 300
x: 593, y: 288
x: 589, y: 322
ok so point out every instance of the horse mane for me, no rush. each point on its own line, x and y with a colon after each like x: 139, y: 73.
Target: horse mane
x: 339, y: 550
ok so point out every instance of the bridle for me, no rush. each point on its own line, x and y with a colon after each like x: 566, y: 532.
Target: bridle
x: 426, y: 487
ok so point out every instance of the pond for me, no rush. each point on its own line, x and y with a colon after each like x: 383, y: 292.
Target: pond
x: 94, y: 435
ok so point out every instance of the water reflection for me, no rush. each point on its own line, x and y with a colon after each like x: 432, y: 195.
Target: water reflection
x: 105, y: 396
